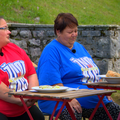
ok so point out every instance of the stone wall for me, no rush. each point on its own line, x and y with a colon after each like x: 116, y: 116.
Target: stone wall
x: 102, y: 42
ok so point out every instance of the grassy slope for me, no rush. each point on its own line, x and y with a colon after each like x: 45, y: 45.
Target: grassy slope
x: 88, y: 12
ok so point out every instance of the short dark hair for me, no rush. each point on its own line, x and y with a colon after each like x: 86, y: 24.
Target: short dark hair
x: 63, y: 20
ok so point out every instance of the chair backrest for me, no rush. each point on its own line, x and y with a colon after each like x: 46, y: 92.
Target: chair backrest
x: 34, y: 64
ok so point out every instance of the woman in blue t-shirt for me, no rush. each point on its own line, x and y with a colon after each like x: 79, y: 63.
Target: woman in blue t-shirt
x: 65, y: 62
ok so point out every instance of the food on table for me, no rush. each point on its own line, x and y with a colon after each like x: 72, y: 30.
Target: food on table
x: 111, y: 73
x: 49, y: 87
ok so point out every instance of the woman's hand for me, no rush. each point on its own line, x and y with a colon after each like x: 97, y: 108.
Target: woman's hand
x: 30, y: 102
x: 20, y: 102
x: 76, y: 105
x: 110, y: 98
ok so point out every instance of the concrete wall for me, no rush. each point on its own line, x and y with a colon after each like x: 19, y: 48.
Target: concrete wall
x: 102, y: 42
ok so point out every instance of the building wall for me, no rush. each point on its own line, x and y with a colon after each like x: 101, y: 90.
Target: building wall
x: 102, y: 42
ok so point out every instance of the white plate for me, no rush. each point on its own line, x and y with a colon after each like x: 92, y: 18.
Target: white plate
x: 48, y: 90
x: 102, y: 76
x: 110, y: 79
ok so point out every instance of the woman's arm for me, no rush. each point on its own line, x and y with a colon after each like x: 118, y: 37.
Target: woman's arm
x: 74, y: 104
x: 4, y: 95
x: 33, y: 81
x: 59, y: 84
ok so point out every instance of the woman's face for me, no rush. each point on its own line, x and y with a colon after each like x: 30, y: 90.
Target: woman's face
x: 4, y: 33
x: 68, y: 36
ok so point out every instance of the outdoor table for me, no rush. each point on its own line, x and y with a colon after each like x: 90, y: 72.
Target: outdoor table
x: 104, y: 85
x: 64, y: 97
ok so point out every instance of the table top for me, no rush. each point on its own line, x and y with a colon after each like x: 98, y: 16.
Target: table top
x: 62, y: 95
x: 105, y: 85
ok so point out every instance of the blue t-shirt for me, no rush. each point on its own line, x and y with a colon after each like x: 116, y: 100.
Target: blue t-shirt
x: 58, y: 64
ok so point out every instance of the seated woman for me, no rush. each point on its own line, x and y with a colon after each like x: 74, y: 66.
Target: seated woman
x: 65, y: 62
x: 16, y: 73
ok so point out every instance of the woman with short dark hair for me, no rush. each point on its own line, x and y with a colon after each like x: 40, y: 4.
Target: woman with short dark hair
x: 65, y: 62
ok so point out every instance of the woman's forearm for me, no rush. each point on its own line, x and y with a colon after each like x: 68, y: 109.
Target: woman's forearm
x: 4, y: 95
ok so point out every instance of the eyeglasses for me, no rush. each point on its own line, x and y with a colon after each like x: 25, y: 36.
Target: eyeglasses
x: 4, y: 28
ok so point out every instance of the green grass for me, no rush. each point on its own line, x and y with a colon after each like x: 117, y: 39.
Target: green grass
x: 116, y: 97
x: 88, y: 12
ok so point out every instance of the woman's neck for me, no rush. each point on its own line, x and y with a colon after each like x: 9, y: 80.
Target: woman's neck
x: 70, y: 47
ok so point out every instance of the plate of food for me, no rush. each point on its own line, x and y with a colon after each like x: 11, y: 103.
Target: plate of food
x: 111, y: 77
x: 50, y: 89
